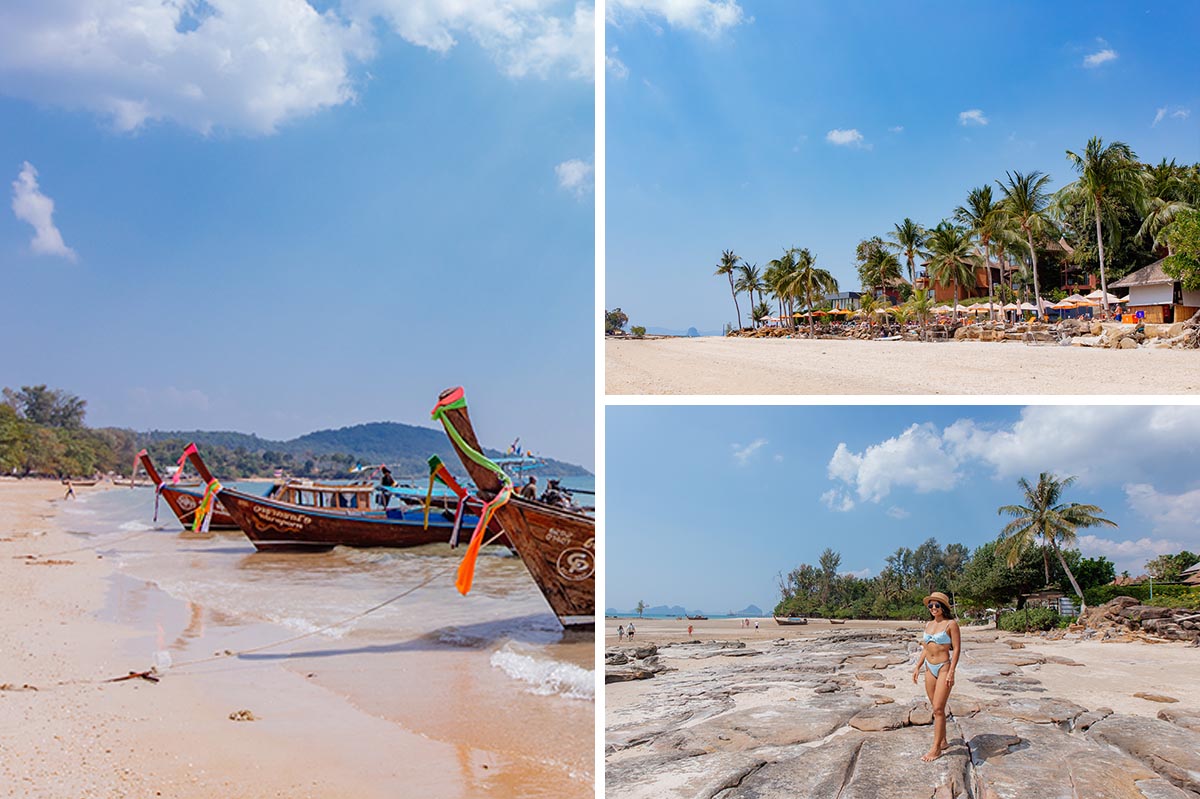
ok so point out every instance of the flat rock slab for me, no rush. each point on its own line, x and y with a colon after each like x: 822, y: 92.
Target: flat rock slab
x: 1172, y: 751
x: 880, y: 717
x: 1156, y: 697
x: 1181, y: 716
x: 862, y: 766
x: 780, y: 724
x: 1048, y: 763
x: 678, y: 777
x: 1039, y: 710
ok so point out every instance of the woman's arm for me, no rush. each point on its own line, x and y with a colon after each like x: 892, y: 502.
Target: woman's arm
x: 956, y: 651
x: 917, y: 668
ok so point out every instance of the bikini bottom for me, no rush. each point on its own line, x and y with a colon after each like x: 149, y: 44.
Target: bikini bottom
x: 934, y: 668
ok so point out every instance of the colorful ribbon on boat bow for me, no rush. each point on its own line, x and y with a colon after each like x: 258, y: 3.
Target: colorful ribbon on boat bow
x: 188, y: 450
x: 204, y: 512
x: 439, y: 473
x: 466, y: 569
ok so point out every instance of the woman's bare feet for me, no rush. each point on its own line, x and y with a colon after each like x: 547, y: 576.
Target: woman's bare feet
x: 931, y: 755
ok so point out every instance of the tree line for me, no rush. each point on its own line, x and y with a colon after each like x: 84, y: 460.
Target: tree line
x: 1032, y: 552
x: 1115, y: 216
x: 42, y: 433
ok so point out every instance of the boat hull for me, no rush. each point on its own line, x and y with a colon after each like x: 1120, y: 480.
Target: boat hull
x: 557, y: 545
x: 183, y: 503
x: 280, y: 526
x: 790, y: 622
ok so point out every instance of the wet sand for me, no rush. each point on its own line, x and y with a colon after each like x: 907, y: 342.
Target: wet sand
x: 318, y: 734
x: 830, y: 366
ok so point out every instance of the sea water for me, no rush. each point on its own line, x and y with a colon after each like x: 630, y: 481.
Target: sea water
x: 492, y: 672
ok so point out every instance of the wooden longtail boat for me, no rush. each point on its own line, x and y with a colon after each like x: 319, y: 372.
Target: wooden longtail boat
x: 790, y: 620
x: 697, y: 618
x: 558, y: 545
x: 275, y: 525
x: 185, y: 499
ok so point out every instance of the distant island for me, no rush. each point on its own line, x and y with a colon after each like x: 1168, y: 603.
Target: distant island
x: 750, y: 611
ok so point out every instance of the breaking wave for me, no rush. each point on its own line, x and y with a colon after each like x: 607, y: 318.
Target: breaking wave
x: 547, y: 677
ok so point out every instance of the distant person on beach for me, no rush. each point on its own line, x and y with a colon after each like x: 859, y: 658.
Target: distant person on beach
x: 689, y: 629
x: 940, y: 650
x: 629, y: 632
x: 756, y: 624
x: 529, y: 490
x: 70, y: 490
x: 620, y: 632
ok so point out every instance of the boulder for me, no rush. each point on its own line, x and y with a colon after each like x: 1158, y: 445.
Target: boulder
x: 1183, y: 717
x: 1171, y: 751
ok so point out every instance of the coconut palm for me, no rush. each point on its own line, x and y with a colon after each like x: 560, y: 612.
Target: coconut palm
x: 881, y: 269
x: 919, y: 307
x: 810, y: 282
x: 725, y: 267
x: 750, y: 281
x: 950, y: 259
x: 783, y: 272
x: 907, y: 239
x: 982, y: 216
x: 1026, y: 200
x: 1105, y: 172
x: 1044, y: 516
x: 1164, y: 192
x: 760, y: 313
x: 867, y: 303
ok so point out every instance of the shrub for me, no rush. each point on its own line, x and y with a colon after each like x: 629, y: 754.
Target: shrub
x: 1030, y: 619
x: 1164, y: 595
x: 638, y: 331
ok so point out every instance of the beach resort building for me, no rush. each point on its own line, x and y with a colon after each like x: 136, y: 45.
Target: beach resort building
x: 1161, y: 297
x: 844, y: 300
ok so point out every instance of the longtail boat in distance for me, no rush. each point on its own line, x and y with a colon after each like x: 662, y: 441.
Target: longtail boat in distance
x: 557, y: 544
x: 183, y: 500
x: 339, y: 515
x: 790, y: 620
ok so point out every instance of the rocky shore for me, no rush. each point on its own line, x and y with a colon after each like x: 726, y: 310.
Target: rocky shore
x: 837, y: 714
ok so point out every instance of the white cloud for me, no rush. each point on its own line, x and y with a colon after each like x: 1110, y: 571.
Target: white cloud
x: 861, y: 574
x: 249, y: 66
x: 575, y: 176
x: 1170, y: 515
x: 615, y: 66
x: 1181, y: 113
x: 1074, y: 440
x: 1162, y: 113
x: 1126, y: 555
x: 743, y: 454
x: 845, y: 138
x: 897, y: 512
x: 30, y: 205
x: 710, y: 17
x: 1100, y: 57
x: 896, y: 129
x: 915, y: 459
x: 777, y: 458
x: 837, y: 500
x: 972, y: 117
x: 1159, y: 116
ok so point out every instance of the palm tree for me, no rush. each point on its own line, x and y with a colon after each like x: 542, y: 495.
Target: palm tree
x: 810, y: 282
x: 881, y: 269
x: 782, y: 271
x: 908, y: 238
x: 760, y: 313
x: 1025, y: 198
x: 950, y: 258
x: 1163, y: 197
x: 1104, y: 172
x: 725, y: 267
x: 750, y: 281
x: 867, y: 303
x: 919, y: 305
x: 1044, y: 516
x: 982, y: 215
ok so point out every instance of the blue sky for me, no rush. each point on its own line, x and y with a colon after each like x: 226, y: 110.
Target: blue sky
x: 273, y: 218
x: 821, y: 123
x: 706, y: 505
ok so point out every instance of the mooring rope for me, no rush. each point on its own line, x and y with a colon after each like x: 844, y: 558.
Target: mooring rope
x: 154, y: 676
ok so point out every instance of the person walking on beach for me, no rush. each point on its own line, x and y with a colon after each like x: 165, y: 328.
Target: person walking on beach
x: 620, y: 632
x: 70, y: 490
x: 629, y: 632
x: 689, y: 629
x: 940, y: 649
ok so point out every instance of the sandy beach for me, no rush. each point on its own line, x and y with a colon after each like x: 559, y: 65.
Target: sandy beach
x: 824, y: 709
x: 714, y: 365
x: 331, y: 721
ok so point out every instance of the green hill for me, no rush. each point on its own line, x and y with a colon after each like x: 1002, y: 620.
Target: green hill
x: 403, y: 447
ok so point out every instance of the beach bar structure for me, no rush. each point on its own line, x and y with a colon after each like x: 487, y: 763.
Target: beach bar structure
x: 1053, y: 599
x: 1159, y: 296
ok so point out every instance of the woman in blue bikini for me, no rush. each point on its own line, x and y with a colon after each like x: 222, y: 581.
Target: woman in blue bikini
x: 941, y: 648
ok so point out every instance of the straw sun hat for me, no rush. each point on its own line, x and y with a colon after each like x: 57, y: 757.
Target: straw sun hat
x: 940, y: 597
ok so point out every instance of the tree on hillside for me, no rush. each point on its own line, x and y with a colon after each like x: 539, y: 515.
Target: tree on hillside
x: 725, y: 266
x: 1044, y: 518
x: 50, y: 407
x: 641, y: 607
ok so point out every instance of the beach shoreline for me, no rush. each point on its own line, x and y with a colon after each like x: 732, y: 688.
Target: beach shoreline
x: 744, y: 366
x: 84, y: 620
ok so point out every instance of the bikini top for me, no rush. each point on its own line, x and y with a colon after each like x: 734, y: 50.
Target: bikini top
x: 938, y: 638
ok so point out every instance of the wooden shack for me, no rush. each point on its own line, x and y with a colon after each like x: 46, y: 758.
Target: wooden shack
x: 1159, y: 296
